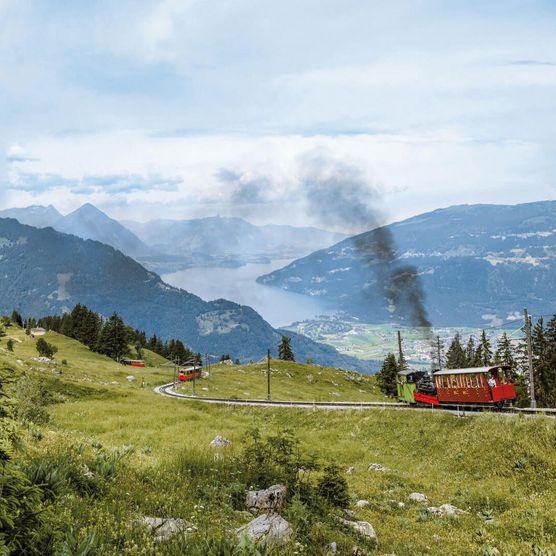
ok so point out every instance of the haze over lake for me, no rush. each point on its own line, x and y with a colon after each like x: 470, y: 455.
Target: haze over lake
x: 278, y: 307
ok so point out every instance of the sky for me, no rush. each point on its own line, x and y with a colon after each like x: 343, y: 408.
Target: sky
x: 182, y: 109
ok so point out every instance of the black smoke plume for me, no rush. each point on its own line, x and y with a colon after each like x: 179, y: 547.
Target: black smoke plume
x: 338, y: 194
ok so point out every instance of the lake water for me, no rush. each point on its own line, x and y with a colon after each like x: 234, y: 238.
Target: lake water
x: 278, y: 307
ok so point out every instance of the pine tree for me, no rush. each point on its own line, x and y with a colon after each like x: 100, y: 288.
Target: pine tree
x: 285, y: 352
x: 455, y: 357
x: 542, y: 373
x: 17, y: 318
x: 505, y: 354
x: 470, y: 353
x: 387, y: 376
x: 113, y: 340
x: 550, y: 367
x: 484, y: 351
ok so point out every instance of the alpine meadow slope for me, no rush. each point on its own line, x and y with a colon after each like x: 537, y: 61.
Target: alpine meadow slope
x: 479, y: 265
x: 46, y: 272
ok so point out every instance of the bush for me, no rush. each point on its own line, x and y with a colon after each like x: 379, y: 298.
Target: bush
x: 33, y: 397
x: 45, y: 349
x: 333, y: 487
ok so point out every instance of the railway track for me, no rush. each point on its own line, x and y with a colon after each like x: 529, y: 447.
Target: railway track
x: 167, y: 390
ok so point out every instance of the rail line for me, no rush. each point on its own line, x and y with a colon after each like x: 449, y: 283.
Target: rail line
x: 167, y: 390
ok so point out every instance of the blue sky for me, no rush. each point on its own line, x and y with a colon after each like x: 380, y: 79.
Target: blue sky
x: 184, y: 108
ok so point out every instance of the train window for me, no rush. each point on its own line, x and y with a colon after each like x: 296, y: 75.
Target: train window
x: 454, y: 381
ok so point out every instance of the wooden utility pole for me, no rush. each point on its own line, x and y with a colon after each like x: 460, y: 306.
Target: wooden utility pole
x: 400, y: 352
x: 439, y: 354
x: 175, y: 372
x: 527, y: 330
x: 268, y: 376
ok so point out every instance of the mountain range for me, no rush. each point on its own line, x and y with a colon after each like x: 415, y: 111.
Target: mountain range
x: 232, y: 238
x: 477, y: 265
x: 43, y: 271
x: 169, y: 245
x: 87, y: 222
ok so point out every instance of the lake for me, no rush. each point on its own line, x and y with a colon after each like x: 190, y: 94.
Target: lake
x: 278, y: 307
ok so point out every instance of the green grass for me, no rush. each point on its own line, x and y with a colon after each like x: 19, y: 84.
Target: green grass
x: 289, y: 381
x: 501, y: 470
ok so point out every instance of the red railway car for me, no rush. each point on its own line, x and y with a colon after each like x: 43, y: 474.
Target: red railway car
x: 186, y: 376
x: 473, y: 386
x: 133, y: 362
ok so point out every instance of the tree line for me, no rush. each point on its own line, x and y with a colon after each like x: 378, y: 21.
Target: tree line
x: 110, y: 337
x: 480, y: 353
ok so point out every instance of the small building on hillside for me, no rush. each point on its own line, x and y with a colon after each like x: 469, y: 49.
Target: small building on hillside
x: 37, y: 332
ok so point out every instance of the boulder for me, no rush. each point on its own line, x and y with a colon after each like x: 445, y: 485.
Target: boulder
x: 269, y: 500
x: 270, y: 527
x: 164, y: 528
x: 220, y: 442
x: 446, y: 510
x: 418, y: 497
x: 332, y: 548
x: 349, y: 470
x: 362, y: 503
x: 376, y: 467
x: 363, y: 528
x: 350, y: 514
x: 131, y: 378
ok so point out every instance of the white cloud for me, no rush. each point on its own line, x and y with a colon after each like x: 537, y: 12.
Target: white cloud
x: 434, y: 103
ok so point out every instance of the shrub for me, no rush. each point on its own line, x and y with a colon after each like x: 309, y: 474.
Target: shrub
x: 33, y: 397
x: 333, y: 487
x: 45, y: 349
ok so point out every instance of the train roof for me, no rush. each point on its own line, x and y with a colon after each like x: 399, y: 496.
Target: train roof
x: 471, y: 370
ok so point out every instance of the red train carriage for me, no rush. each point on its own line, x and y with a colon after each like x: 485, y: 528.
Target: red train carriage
x: 133, y: 362
x: 187, y: 375
x: 474, y: 386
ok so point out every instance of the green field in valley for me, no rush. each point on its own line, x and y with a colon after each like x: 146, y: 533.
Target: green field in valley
x: 375, y: 341
x: 500, y: 470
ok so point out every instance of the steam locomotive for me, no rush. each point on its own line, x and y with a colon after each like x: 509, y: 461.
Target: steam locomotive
x: 474, y: 387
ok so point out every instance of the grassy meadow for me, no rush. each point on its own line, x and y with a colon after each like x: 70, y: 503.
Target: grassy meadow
x: 289, y: 381
x: 155, y: 461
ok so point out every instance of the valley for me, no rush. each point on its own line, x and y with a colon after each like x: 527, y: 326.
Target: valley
x: 374, y: 341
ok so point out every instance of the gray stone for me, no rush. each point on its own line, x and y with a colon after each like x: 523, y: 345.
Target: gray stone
x: 130, y: 378
x: 164, y: 528
x: 362, y: 503
x: 364, y: 528
x: 350, y: 514
x: 271, y: 499
x: 446, y: 510
x: 220, y: 442
x: 350, y: 470
x: 376, y: 467
x: 332, y: 548
x: 418, y: 497
x: 270, y: 527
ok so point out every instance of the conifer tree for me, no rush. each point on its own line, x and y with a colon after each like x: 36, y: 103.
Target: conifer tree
x: 17, y: 318
x: 455, y: 357
x: 285, y: 352
x: 113, y: 340
x: 505, y: 354
x: 549, y: 367
x: 387, y: 376
x: 484, y: 351
x: 470, y: 353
